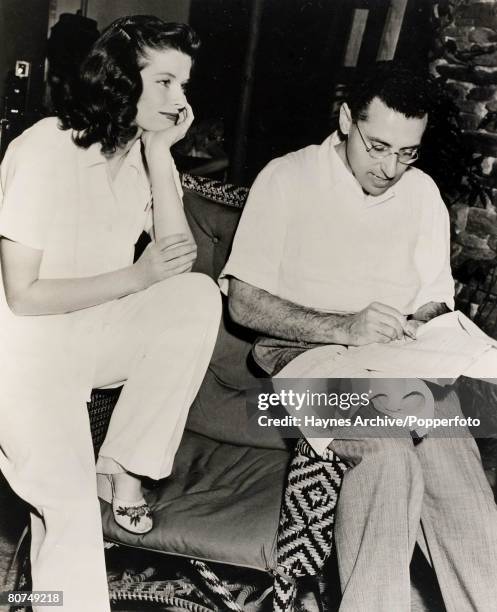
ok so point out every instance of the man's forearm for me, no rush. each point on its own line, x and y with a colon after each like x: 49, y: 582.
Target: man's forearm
x: 273, y: 316
x: 430, y: 310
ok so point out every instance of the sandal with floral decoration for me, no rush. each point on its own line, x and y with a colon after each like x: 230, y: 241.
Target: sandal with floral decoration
x: 133, y: 516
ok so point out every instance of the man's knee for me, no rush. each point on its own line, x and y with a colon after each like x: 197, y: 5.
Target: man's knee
x: 380, y: 469
x: 385, y: 454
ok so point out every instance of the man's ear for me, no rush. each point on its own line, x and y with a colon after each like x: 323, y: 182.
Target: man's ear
x: 345, y: 118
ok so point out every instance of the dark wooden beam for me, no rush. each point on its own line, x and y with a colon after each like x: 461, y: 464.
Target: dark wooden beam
x: 240, y: 142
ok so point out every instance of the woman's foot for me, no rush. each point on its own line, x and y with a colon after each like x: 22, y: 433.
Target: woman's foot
x: 127, y: 486
x: 131, y: 511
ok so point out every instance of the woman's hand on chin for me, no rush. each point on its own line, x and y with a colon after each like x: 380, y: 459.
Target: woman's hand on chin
x: 158, y: 143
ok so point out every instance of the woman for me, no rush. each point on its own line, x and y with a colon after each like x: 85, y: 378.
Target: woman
x: 78, y: 190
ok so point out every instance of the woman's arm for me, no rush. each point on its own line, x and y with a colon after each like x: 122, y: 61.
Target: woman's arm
x: 27, y: 294
x: 169, y: 215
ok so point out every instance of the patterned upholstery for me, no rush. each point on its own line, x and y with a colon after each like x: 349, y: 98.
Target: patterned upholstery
x: 100, y: 410
x: 222, y: 193
x: 305, y: 533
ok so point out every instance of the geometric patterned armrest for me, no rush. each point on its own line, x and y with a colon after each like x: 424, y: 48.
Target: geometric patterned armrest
x: 305, y: 534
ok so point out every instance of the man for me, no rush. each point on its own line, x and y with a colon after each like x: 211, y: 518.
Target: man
x: 346, y: 243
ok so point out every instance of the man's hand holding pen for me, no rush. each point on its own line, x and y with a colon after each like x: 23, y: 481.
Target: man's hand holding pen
x: 378, y: 323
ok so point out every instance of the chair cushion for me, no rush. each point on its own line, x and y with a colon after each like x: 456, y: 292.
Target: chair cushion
x: 231, y: 491
x: 220, y: 412
x: 213, y: 226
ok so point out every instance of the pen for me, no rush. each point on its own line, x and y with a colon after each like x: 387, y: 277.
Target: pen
x: 407, y: 331
x: 409, y: 334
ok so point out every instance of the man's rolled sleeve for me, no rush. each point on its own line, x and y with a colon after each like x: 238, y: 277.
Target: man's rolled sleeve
x: 259, y: 242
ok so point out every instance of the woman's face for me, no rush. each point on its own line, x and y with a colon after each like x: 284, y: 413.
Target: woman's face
x: 164, y: 77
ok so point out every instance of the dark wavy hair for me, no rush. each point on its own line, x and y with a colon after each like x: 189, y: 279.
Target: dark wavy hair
x: 101, y: 105
x: 399, y: 87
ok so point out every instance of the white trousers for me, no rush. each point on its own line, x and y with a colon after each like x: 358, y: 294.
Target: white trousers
x: 160, y: 342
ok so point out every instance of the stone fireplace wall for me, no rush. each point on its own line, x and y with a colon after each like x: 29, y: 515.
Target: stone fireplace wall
x: 465, y: 55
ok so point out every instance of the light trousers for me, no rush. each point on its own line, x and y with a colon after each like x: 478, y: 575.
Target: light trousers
x: 396, y: 494
x: 159, y: 342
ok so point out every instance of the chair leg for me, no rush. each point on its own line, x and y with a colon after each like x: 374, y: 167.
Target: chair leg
x: 216, y: 586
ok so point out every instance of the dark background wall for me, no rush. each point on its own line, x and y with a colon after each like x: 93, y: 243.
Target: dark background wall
x: 23, y: 32
x: 298, y: 69
x: 105, y: 11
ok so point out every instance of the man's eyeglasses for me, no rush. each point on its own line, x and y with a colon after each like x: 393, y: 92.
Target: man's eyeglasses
x: 381, y: 151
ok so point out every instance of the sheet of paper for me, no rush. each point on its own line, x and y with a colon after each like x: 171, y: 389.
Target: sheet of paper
x: 485, y: 367
x: 454, y: 320
x: 446, y: 347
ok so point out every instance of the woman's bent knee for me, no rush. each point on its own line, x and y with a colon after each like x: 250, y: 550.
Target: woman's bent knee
x: 196, y: 290
x: 206, y: 291
x: 199, y: 296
